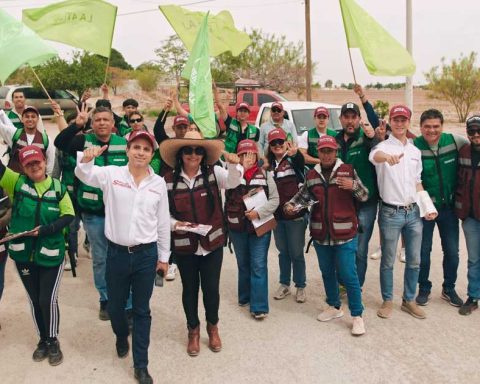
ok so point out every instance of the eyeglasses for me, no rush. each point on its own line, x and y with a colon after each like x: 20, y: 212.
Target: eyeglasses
x: 139, y: 120
x: 276, y: 142
x: 276, y: 110
x: 199, y: 151
x: 473, y: 131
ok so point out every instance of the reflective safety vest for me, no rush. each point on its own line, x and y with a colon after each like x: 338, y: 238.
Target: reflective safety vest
x: 15, y: 119
x: 313, y: 137
x: 335, y: 214
x: 287, y: 183
x: 19, y: 141
x: 193, y: 205
x: 439, y: 173
x: 234, y: 206
x: 90, y: 199
x: 68, y: 163
x: 233, y: 135
x: 29, y: 211
x: 467, y: 195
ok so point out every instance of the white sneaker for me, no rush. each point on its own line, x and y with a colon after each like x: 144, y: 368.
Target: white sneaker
x: 329, y: 314
x: 358, y: 327
x: 172, y: 270
x: 282, y: 292
x: 68, y: 266
x: 401, y: 255
x: 377, y: 254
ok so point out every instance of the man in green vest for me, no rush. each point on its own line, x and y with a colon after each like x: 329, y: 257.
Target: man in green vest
x: 15, y: 114
x: 355, y: 142
x: 439, y: 177
x: 239, y: 129
x: 129, y: 106
x: 307, y: 143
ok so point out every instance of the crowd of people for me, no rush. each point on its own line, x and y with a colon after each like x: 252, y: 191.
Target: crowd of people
x: 151, y: 204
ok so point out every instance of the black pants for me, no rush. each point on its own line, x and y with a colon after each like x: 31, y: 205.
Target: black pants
x: 204, y: 270
x: 41, y: 284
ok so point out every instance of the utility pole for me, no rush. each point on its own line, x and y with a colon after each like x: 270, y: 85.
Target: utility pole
x: 308, y: 70
x: 409, y: 80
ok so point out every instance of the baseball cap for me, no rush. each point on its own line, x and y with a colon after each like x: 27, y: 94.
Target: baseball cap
x: 143, y: 135
x: 30, y: 109
x: 326, y: 141
x: 400, y: 110
x: 244, y: 106
x: 321, y: 111
x: 275, y: 134
x: 473, y: 121
x: 103, y: 103
x: 30, y: 153
x: 131, y: 102
x: 278, y: 105
x: 350, y: 107
x: 180, y: 120
x: 247, y: 145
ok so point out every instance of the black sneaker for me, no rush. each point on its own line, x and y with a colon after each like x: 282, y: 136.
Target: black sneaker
x: 468, y: 307
x: 55, y: 355
x: 423, y: 298
x: 142, y: 376
x: 103, y: 313
x: 41, y: 352
x: 122, y: 347
x: 452, y: 298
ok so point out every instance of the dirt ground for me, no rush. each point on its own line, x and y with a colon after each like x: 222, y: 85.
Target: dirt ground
x: 289, y: 346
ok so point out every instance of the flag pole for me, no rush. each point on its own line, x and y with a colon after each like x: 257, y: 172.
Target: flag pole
x: 41, y: 84
x: 348, y: 43
x: 106, y: 69
x: 111, y: 43
x: 351, y: 64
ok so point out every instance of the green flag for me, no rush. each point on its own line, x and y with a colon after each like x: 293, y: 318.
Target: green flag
x: 85, y: 24
x: 223, y: 34
x: 200, y: 96
x: 382, y: 54
x: 20, y: 45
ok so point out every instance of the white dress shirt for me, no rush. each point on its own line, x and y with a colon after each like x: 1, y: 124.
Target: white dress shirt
x: 397, y: 184
x: 133, y: 214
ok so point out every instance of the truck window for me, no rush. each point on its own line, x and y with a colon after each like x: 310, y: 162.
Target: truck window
x: 265, y: 98
x: 34, y: 93
x: 334, y: 121
x: 248, y: 98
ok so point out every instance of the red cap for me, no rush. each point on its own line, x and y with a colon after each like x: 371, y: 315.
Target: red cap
x: 277, y: 104
x: 247, y: 146
x: 321, y: 111
x: 275, y: 134
x: 400, y: 110
x: 326, y: 141
x: 30, y: 109
x: 244, y: 106
x: 30, y: 153
x: 144, y: 135
x: 180, y: 120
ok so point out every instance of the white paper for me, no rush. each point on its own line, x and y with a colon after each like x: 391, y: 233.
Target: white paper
x: 425, y: 203
x: 200, y: 229
x: 255, y: 201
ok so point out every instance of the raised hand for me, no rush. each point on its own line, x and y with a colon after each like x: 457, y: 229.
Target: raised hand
x: 249, y: 160
x: 86, y: 95
x: 82, y: 116
x: 393, y: 159
x: 292, y: 149
x: 367, y: 129
x: 231, y: 158
x: 92, y: 152
x: 56, y: 108
x: 381, y: 130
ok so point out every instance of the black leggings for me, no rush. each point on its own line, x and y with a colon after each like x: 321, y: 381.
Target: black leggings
x: 204, y: 270
x: 41, y: 284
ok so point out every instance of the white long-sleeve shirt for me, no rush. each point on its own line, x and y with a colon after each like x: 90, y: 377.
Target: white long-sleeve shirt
x: 133, y: 214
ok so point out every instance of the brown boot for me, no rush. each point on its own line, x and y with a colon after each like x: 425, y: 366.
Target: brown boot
x: 193, y: 347
x: 214, y: 342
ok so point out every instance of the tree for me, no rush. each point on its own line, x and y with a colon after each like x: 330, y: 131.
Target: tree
x: 457, y: 82
x: 172, y: 56
x: 328, y: 84
x: 381, y: 108
x: 117, y: 77
x: 118, y: 61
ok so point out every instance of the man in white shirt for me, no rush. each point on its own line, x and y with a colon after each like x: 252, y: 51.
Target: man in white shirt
x: 277, y: 120
x: 399, y: 167
x: 137, y: 226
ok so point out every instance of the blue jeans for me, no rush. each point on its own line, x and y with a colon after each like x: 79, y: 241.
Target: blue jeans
x: 392, y: 223
x: 135, y: 273
x: 342, y: 256
x: 448, y: 228
x: 95, y: 227
x: 290, y: 240
x: 471, y: 229
x: 251, y: 253
x: 367, y: 214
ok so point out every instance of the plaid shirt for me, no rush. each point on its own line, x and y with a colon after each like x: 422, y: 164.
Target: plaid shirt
x: 304, y: 196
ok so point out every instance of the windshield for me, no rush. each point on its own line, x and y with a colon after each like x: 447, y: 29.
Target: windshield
x: 303, y: 119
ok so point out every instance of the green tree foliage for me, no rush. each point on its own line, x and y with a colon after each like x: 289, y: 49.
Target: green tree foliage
x: 172, y: 56
x: 118, y: 61
x: 147, y: 79
x: 381, y: 108
x: 457, y: 82
x: 328, y: 84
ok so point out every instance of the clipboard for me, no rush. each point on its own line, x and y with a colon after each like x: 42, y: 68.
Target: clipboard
x: 255, y: 199
x: 14, y: 236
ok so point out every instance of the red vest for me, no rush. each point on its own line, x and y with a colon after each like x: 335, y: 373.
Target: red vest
x: 234, y: 206
x: 14, y: 162
x: 335, y: 214
x: 287, y: 185
x: 192, y: 205
x: 467, y: 195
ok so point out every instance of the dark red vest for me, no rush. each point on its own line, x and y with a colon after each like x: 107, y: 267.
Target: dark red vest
x: 335, y: 214
x: 467, y: 195
x: 287, y: 185
x: 14, y: 162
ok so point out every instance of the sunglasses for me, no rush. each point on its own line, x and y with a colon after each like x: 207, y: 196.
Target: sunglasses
x: 473, y: 131
x: 199, y: 151
x: 276, y: 142
x: 276, y: 110
x: 139, y: 120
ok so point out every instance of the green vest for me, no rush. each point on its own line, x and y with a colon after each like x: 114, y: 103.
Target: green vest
x: 439, y: 173
x: 156, y: 162
x: 233, y: 135
x: 68, y: 172
x: 29, y: 211
x: 123, y: 127
x: 90, y: 199
x: 313, y: 137
x: 357, y: 155
x: 15, y: 119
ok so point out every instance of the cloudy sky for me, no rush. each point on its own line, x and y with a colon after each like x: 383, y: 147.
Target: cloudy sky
x: 441, y: 28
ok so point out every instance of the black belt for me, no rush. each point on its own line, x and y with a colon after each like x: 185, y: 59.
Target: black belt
x: 398, y: 207
x: 132, y: 248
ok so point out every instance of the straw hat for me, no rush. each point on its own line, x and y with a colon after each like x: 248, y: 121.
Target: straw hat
x: 170, y: 147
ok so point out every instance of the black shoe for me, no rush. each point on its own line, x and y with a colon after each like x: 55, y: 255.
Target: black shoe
x: 423, y: 298
x: 452, y: 298
x: 122, y: 347
x: 129, y: 313
x: 142, y: 376
x: 41, y: 353
x: 103, y: 313
x: 55, y: 355
x: 468, y: 307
